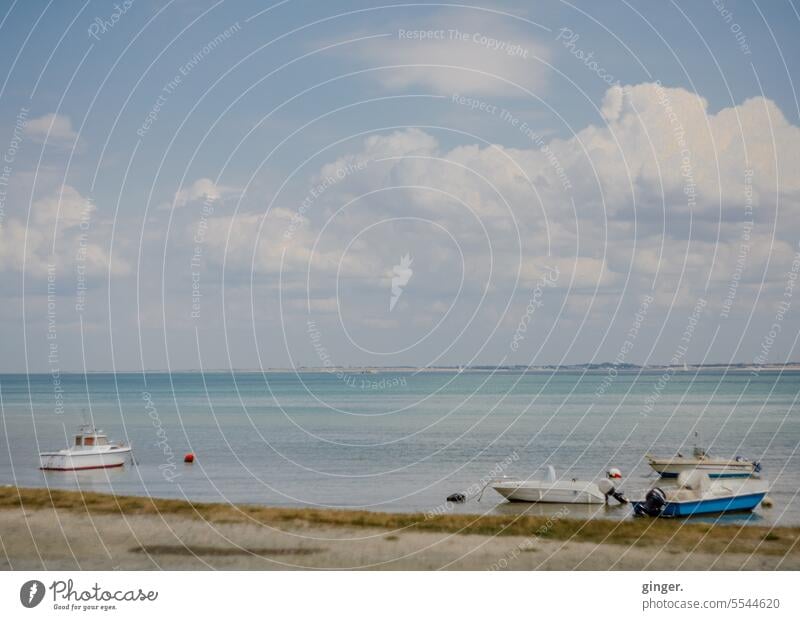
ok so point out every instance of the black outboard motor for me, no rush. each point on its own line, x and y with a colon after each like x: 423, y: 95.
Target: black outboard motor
x: 653, y: 503
x: 457, y: 498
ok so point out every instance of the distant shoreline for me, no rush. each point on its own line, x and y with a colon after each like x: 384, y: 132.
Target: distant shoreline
x: 592, y: 368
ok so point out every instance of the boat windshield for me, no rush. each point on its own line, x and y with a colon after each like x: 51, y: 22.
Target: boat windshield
x: 87, y: 440
x: 95, y: 440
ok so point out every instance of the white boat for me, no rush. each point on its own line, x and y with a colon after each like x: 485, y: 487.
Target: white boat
x: 91, y: 450
x: 551, y: 490
x: 672, y: 467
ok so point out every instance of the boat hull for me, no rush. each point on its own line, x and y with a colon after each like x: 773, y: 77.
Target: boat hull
x: 671, y: 469
x: 716, y: 505
x: 550, y: 494
x: 56, y: 461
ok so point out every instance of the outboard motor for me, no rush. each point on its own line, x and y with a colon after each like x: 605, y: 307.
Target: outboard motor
x: 653, y: 504
x: 609, y: 490
x: 457, y: 498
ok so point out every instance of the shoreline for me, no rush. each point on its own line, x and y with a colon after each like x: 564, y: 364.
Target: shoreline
x: 42, y: 528
x: 480, y: 369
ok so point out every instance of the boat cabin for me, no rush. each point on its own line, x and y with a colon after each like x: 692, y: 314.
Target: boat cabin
x: 89, y: 438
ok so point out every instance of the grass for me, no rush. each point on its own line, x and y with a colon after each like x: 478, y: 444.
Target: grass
x: 674, y: 534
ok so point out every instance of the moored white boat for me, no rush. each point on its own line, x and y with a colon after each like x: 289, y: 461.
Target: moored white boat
x: 672, y: 467
x: 551, y: 490
x: 91, y: 450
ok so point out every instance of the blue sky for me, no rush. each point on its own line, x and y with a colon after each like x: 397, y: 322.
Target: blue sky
x: 637, y: 150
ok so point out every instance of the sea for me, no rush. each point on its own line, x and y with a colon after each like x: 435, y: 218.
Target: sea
x: 401, y: 441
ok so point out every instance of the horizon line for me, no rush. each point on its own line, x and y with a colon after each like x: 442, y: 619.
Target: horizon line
x: 410, y: 368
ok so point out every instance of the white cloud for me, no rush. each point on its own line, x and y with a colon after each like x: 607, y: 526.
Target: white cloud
x: 63, y: 230
x: 637, y: 158
x: 643, y: 140
x: 379, y: 146
x: 484, y: 195
x: 201, y: 190
x: 487, y: 56
x: 52, y: 128
x: 64, y: 208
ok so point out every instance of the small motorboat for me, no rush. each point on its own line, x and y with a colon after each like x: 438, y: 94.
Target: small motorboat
x: 697, y: 494
x: 551, y: 490
x: 91, y: 450
x: 714, y: 467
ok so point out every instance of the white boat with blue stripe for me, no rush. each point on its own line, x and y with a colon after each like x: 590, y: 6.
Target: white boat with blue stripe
x: 697, y: 494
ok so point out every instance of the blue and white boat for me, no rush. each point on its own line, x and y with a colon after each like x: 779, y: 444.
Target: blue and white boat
x: 696, y: 494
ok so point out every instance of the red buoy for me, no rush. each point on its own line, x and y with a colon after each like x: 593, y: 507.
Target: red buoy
x: 189, y: 458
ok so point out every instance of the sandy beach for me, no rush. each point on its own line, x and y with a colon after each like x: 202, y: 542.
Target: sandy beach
x: 70, y: 530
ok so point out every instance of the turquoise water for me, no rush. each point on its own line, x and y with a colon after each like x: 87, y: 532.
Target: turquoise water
x: 398, y: 441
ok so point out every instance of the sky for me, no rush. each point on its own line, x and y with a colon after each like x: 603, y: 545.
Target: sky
x: 216, y: 185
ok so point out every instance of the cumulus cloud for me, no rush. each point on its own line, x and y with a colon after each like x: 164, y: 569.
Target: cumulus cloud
x: 267, y: 243
x: 658, y: 144
x: 665, y: 143
x: 608, y: 208
x: 63, y: 230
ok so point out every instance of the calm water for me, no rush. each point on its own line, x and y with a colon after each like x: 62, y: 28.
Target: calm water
x: 398, y: 442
